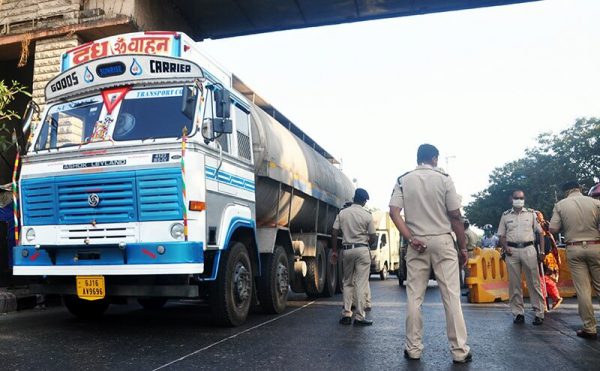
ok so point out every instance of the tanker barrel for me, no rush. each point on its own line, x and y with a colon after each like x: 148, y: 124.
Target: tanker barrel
x: 294, y: 183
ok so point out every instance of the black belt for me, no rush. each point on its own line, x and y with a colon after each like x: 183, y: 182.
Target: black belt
x: 520, y: 245
x: 353, y: 246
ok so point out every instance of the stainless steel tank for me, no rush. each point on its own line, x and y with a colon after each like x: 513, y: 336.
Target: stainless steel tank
x: 282, y: 162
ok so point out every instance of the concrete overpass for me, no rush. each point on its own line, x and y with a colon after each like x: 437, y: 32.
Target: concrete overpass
x: 225, y: 18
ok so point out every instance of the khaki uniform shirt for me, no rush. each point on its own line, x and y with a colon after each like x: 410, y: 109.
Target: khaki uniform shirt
x: 519, y: 227
x: 426, y: 195
x: 578, y: 216
x: 356, y: 224
x: 472, y: 239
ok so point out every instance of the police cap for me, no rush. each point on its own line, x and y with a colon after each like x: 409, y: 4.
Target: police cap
x: 360, y: 195
x: 571, y: 184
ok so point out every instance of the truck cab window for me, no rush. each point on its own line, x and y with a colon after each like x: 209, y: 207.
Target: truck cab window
x: 151, y: 113
x: 209, y: 110
x: 69, y: 123
x: 242, y: 123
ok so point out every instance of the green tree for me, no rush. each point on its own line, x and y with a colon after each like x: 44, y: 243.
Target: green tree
x: 8, y: 93
x: 573, y: 153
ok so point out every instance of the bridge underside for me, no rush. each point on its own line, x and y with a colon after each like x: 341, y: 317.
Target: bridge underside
x: 226, y: 18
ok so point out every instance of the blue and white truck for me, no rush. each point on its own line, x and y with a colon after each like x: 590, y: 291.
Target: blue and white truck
x: 156, y: 174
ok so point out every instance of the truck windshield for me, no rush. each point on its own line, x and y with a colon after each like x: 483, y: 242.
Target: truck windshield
x: 69, y: 123
x: 151, y: 113
x: 143, y: 114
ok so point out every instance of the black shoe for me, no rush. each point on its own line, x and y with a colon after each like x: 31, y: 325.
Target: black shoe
x: 519, y: 319
x: 538, y: 321
x: 367, y: 309
x: 364, y: 322
x: 467, y: 359
x: 407, y: 356
x: 587, y: 335
x: 346, y: 320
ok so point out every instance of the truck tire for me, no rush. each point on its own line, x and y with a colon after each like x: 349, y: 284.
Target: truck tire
x: 231, y: 292
x: 383, y: 274
x: 85, y: 309
x: 273, y: 284
x: 152, y: 303
x: 316, y: 271
x: 330, y: 277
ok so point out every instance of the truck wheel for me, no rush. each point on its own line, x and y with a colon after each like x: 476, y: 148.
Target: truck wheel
x: 152, y: 303
x: 231, y: 293
x: 383, y: 274
x: 273, y: 284
x: 315, y: 274
x: 330, y: 277
x: 85, y: 309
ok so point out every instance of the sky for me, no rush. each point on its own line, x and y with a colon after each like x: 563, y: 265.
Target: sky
x: 478, y: 84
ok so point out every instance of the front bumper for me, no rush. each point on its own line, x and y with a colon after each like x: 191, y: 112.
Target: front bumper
x: 135, y: 258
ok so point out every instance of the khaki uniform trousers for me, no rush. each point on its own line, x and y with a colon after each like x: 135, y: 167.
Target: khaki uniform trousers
x: 584, y: 261
x: 442, y: 256
x: 357, y: 266
x: 524, y: 259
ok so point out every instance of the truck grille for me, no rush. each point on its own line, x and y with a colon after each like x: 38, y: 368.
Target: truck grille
x: 106, y: 235
x: 115, y: 193
x: 160, y: 195
x: 123, y: 197
x: 38, y: 202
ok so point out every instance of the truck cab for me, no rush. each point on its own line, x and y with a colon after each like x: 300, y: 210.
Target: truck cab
x: 385, y: 255
x: 156, y: 174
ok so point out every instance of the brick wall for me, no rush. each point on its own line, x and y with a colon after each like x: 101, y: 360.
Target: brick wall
x: 18, y: 16
x: 47, y: 62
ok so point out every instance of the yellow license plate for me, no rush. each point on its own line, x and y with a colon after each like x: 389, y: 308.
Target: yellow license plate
x: 91, y: 287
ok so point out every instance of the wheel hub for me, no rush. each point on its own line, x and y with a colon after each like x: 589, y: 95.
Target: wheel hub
x: 242, y: 283
x: 282, y: 279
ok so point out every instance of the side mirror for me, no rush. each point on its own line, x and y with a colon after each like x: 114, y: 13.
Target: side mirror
x: 222, y: 103
x: 207, y: 130
x: 188, y: 104
x: 31, y: 111
x: 212, y: 126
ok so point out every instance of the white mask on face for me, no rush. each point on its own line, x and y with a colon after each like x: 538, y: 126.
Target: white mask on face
x: 518, y: 203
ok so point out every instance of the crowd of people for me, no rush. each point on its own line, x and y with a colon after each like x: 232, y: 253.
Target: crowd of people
x: 440, y: 239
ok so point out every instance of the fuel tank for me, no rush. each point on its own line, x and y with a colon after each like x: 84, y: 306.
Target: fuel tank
x: 296, y: 187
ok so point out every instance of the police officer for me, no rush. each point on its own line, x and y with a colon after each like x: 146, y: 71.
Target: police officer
x: 471, y: 237
x: 517, y: 236
x: 595, y: 191
x: 358, y: 232
x: 472, y: 241
x: 432, y: 211
x: 579, y: 217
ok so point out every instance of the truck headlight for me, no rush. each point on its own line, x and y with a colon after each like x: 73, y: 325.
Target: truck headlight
x: 30, y: 234
x: 177, y: 231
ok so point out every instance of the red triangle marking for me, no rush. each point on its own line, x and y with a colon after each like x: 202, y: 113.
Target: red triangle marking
x: 106, y: 93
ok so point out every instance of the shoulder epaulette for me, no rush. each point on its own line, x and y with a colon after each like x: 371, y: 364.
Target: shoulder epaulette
x: 440, y: 171
x: 400, y: 177
x: 507, y: 212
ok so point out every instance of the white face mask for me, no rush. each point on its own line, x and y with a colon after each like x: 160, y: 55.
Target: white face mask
x: 518, y: 203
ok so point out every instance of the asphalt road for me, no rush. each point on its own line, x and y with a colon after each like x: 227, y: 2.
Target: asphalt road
x: 181, y: 336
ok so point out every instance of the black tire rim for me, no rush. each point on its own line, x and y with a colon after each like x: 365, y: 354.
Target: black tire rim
x: 242, y: 283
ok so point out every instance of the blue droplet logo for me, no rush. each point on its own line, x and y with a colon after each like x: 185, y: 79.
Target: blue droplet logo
x: 135, y: 68
x: 88, y: 76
